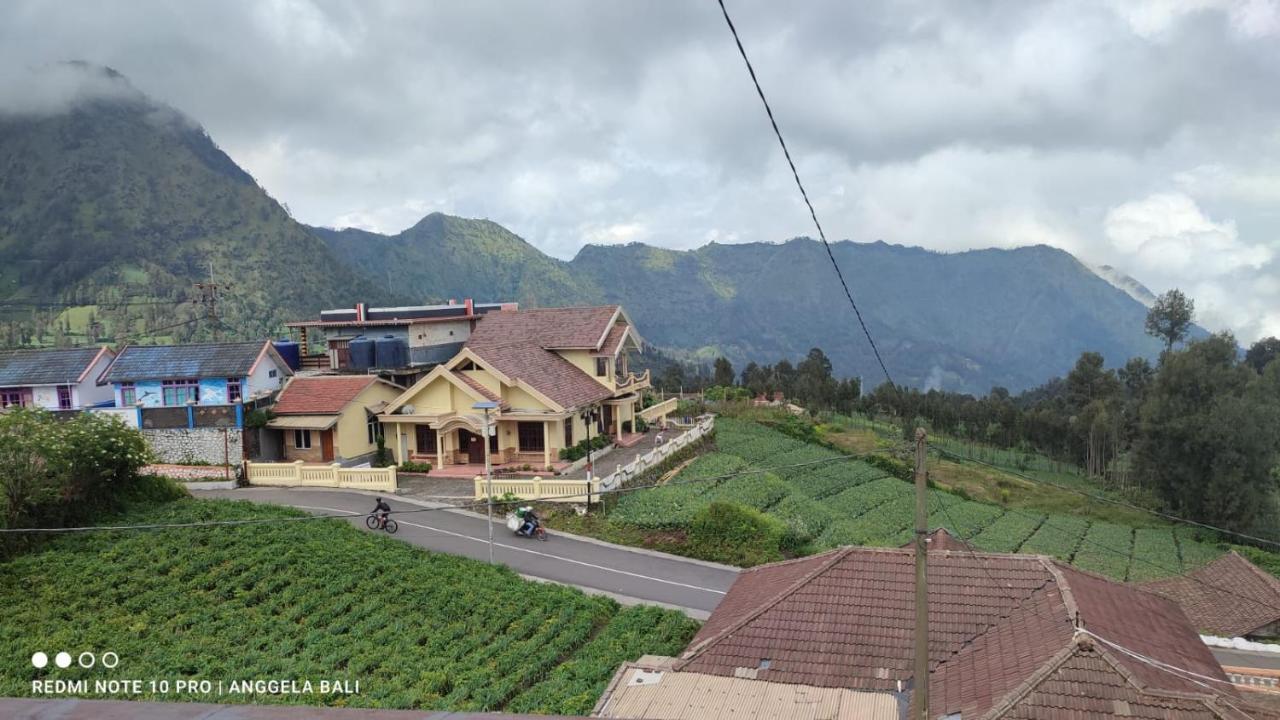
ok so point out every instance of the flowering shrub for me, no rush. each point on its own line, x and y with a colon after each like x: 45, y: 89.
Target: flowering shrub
x: 54, y: 470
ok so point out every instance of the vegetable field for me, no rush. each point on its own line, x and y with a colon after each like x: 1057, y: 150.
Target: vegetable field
x: 316, y: 599
x: 827, y: 500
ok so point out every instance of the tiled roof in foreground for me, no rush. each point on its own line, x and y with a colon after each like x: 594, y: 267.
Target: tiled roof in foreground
x: 1010, y: 635
x: 1229, y: 597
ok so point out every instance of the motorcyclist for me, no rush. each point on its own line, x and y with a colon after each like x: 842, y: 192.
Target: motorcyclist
x: 381, y: 510
x: 530, y: 521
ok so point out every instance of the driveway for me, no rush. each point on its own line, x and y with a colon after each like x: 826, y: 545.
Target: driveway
x: 630, y: 574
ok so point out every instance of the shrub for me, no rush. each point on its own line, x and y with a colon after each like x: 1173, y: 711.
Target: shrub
x: 258, y: 418
x: 895, y: 467
x: 579, y: 451
x: 641, y: 425
x: 735, y: 534
x: 415, y: 467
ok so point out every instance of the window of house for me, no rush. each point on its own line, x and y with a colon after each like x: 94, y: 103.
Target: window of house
x: 374, y: 429
x: 568, y: 432
x: 602, y: 366
x: 302, y: 439
x: 271, y: 373
x: 233, y: 390
x: 493, y: 442
x: 530, y: 436
x: 64, y: 397
x: 128, y: 394
x: 10, y: 398
x: 426, y: 438
x: 178, y: 392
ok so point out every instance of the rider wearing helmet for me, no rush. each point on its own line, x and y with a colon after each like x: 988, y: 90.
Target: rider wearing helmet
x: 381, y: 510
x: 530, y: 521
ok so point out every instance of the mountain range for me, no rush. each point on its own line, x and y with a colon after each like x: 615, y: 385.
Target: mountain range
x: 112, y: 208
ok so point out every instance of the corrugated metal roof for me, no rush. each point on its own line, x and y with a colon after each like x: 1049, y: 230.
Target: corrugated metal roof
x: 158, y: 362
x: 667, y: 695
x: 45, y: 367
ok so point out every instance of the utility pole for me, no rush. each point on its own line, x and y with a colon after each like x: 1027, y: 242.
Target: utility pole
x: 486, y: 406
x: 207, y: 295
x: 922, y: 582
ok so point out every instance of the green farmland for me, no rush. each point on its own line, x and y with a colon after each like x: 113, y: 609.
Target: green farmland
x: 316, y: 600
x: 829, y: 501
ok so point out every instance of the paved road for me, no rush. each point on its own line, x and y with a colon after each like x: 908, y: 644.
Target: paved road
x: 631, y: 574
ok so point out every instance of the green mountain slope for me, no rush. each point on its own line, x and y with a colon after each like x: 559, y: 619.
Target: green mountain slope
x: 449, y: 257
x: 123, y: 200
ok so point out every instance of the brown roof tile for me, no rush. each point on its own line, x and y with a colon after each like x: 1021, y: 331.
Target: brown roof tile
x: 1230, y: 596
x: 520, y: 344
x: 1002, y: 629
x: 320, y: 395
x: 613, y: 340
x: 477, y: 386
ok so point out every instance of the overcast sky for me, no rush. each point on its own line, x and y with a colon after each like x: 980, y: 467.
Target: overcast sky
x: 1144, y: 134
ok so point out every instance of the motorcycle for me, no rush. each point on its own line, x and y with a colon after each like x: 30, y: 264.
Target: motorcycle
x: 517, y: 526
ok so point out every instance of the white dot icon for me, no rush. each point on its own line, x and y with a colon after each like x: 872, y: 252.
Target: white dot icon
x: 62, y: 660
x: 39, y: 660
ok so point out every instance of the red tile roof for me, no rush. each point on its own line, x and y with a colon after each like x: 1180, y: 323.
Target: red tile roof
x: 613, y: 340
x: 1229, y: 597
x: 521, y: 343
x: 321, y: 394
x: 1000, y: 627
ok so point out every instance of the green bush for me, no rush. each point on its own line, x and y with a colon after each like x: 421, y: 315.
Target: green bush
x: 53, y: 472
x: 579, y: 450
x: 893, y: 466
x: 415, y: 467
x: 734, y: 534
x: 641, y: 425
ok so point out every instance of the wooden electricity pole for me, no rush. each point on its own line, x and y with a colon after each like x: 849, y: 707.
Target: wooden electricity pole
x: 922, y: 582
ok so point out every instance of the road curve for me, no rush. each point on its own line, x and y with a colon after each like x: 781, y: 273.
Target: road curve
x: 629, y: 573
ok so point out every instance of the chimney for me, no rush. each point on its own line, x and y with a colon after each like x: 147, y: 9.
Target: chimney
x: 471, y: 308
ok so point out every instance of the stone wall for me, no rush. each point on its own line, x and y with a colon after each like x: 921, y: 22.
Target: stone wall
x: 196, y: 445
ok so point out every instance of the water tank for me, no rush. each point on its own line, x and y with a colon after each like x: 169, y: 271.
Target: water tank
x: 360, y: 353
x: 392, y: 352
x: 290, y: 351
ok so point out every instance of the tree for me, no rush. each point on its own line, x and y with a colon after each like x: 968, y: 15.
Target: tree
x: 722, y: 374
x: 1262, y: 352
x: 1210, y: 435
x: 1170, y: 317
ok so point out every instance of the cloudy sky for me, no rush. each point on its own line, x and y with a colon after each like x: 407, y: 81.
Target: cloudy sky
x: 1144, y: 134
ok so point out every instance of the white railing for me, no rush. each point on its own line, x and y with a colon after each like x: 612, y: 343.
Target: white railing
x: 299, y: 474
x: 653, y: 412
x: 622, y: 473
x: 552, y: 490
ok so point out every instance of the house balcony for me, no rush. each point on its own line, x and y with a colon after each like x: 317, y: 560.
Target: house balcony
x: 632, y: 383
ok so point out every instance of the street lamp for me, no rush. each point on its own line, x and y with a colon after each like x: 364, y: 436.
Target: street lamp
x: 486, y: 406
x: 588, y: 416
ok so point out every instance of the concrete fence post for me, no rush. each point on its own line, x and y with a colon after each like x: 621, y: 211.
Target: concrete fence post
x: 479, y: 487
x: 537, y: 487
x: 297, y: 471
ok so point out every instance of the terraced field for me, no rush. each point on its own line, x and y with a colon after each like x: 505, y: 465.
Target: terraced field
x: 831, y: 500
x: 317, y: 600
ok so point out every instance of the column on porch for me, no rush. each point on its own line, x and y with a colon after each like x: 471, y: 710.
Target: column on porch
x: 546, y: 443
x: 402, y: 452
x: 440, y: 460
x: 617, y: 421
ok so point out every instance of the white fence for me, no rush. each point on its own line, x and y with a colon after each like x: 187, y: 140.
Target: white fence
x: 550, y: 490
x: 622, y: 473
x: 299, y: 474
x: 576, y: 491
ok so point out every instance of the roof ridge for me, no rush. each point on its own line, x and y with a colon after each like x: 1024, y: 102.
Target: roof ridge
x: 696, y: 650
x: 1032, y: 681
x: 1020, y: 605
x: 1267, y: 577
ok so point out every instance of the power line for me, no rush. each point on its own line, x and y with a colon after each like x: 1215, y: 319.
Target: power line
x: 1113, y: 501
x: 796, y: 174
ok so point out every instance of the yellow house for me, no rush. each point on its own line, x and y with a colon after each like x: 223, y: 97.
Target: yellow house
x: 331, y: 418
x: 549, y: 370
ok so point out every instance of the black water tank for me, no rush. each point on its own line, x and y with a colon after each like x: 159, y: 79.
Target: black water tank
x: 361, y: 353
x: 392, y: 352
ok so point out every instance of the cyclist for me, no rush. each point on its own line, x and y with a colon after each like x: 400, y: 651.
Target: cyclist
x: 380, y: 511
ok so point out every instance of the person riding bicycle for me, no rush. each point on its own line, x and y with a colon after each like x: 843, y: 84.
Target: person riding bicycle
x: 530, y: 521
x: 381, y: 511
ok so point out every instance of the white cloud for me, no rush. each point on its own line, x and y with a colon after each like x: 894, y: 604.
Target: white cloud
x: 1168, y: 233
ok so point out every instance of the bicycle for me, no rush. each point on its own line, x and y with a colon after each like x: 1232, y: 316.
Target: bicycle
x: 373, y: 522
